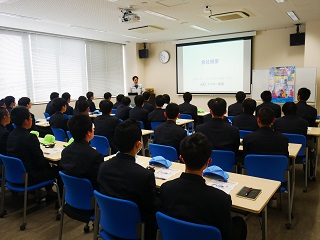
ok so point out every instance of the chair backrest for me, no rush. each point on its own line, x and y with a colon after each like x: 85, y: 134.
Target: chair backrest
x: 69, y: 135
x: 230, y: 118
x: 46, y: 115
x: 101, y: 143
x: 267, y: 166
x: 118, y: 217
x: 141, y: 124
x: 155, y: 124
x: 168, y: 152
x: 78, y: 191
x: 186, y: 116
x: 298, y: 138
x: 223, y: 159
x: 172, y: 228
x: 15, y: 170
x: 244, y: 133
x: 68, y: 116
x: 59, y: 134
x: 114, y: 111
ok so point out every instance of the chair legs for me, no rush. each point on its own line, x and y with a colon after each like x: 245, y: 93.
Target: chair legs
x: 288, y: 225
x: 62, y: 213
x: 307, y: 172
x: 2, y: 211
x: 24, y: 221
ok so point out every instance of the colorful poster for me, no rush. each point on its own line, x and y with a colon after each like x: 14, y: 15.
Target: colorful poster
x: 281, y: 83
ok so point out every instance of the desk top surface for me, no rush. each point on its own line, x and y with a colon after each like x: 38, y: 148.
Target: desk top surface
x: 181, y: 121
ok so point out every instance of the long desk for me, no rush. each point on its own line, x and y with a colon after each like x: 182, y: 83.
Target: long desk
x: 185, y: 122
x: 315, y: 132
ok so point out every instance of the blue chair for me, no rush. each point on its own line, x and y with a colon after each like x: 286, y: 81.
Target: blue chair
x: 68, y: 116
x: 69, y: 135
x: 190, y: 125
x: 223, y: 159
x: 230, y: 118
x: 141, y: 124
x: 119, y: 218
x: 101, y: 143
x: 172, y: 228
x: 17, y: 181
x: 168, y: 152
x: 59, y: 134
x: 154, y: 125
x: 113, y: 111
x: 302, y: 156
x: 273, y: 167
x: 46, y: 116
x: 244, y: 133
x: 78, y: 193
x: 2, y: 180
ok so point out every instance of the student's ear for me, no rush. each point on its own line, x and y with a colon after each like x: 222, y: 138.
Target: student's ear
x: 165, y: 114
x: 181, y: 159
x: 209, y: 162
x: 225, y: 112
x: 274, y: 119
x: 178, y: 115
x: 210, y: 111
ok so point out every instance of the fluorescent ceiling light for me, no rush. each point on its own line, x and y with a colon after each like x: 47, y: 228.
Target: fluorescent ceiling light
x: 135, y: 37
x: 293, y: 16
x: 86, y: 28
x: 280, y: 1
x: 160, y: 15
x: 200, y: 28
x: 18, y: 16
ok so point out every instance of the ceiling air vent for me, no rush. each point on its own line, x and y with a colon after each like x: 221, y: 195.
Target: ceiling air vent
x: 229, y: 16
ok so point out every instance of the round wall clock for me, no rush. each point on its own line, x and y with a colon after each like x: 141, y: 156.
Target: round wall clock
x: 164, y: 56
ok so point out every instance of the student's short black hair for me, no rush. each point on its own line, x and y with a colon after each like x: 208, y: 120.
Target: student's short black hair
x: 8, y: 100
x: 134, y: 78
x: 187, y: 97
x: 195, y: 150
x: 127, y: 134
x: 3, y: 113
x: 146, y: 96
x: 82, y: 105
x: 66, y: 96
x: 289, y: 108
x: 218, y: 106
x: 172, y: 110
x: 240, y: 96
x: 266, y: 115
x: 126, y: 101
x: 266, y: 96
x: 19, y: 114
x: 107, y: 95
x: 159, y: 101
x: 54, y: 95
x: 2, y: 102
x: 249, y: 105
x: 82, y: 98
x: 166, y: 98
x: 304, y: 94
x: 139, y: 100
x: 58, y: 103
x: 79, y: 125
x: 24, y: 101
x: 119, y: 97
x: 105, y: 106
x: 89, y: 95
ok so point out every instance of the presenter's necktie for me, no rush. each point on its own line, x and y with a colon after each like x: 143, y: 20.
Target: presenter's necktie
x: 136, y: 86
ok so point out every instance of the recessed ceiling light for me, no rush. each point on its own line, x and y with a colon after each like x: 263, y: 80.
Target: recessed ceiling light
x: 200, y: 28
x: 280, y: 1
x: 160, y: 15
x: 293, y: 16
x: 135, y: 37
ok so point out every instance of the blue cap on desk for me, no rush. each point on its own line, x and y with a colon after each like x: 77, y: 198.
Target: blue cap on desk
x: 216, y: 171
x: 160, y: 160
x: 97, y: 112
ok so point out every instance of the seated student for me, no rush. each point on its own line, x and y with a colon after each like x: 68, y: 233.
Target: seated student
x: 26, y: 102
x: 75, y: 110
x: 265, y: 140
x: 25, y: 146
x: 147, y: 105
x: 105, y: 125
x: 79, y: 159
x: 82, y: 107
x: 139, y: 113
x: 157, y: 115
x: 291, y: 122
x: 208, y: 117
x: 4, y: 133
x: 236, y: 108
x: 220, y: 133
x: 266, y: 99
x: 166, y: 100
x: 190, y: 199
x: 169, y: 133
x: 188, y: 108
x: 58, y: 120
x: 66, y: 96
x: 119, y: 99
x: 107, y: 96
x: 49, y: 109
x: 2, y: 103
x: 246, y: 120
x: 122, y: 177
x: 10, y: 102
x: 124, y: 109
x: 303, y: 109
x: 90, y: 98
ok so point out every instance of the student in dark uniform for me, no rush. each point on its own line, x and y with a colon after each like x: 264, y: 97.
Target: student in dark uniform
x: 303, y: 109
x: 139, y: 113
x: 107, y: 96
x: 236, y: 108
x: 4, y: 133
x: 246, y: 120
x: 157, y: 115
x: 10, y: 102
x: 90, y: 98
x: 66, y: 96
x: 124, y: 109
x: 188, y: 108
x: 58, y: 120
x: 26, y: 102
x: 119, y: 99
x: 147, y: 105
x: 266, y: 98
x: 76, y: 106
x: 49, y: 109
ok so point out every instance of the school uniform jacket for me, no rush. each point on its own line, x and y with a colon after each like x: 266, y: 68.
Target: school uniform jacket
x: 58, y: 120
x: 235, y: 109
x: 123, y: 112
x: 157, y: 115
x: 140, y: 114
x: 245, y: 121
x: 291, y: 124
x: 275, y: 108
x: 307, y: 112
x: 188, y: 108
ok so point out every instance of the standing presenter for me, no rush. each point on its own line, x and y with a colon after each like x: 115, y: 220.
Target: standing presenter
x: 136, y: 87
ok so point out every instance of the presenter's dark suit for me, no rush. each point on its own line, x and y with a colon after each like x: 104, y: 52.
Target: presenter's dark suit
x: 140, y: 114
x: 116, y: 105
x: 221, y: 134
x: 188, y: 108
x: 4, y: 133
x: 157, y: 115
x: 266, y: 141
x: 189, y: 198
x: 169, y: 134
x: 275, y: 108
x: 80, y: 160
x: 105, y: 125
x: 307, y: 112
x: 235, y: 109
x: 58, y: 120
x: 245, y: 121
x: 148, y: 106
x: 50, y: 109
x: 92, y: 106
x: 121, y: 177
x: 123, y: 112
x: 291, y: 124
x: 25, y: 146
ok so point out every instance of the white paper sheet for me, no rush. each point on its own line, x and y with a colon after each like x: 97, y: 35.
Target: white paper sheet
x: 165, y: 173
x: 224, y: 186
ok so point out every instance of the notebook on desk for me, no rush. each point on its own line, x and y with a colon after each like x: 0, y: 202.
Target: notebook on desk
x: 249, y: 193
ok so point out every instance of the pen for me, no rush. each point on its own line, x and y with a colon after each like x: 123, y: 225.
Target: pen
x: 248, y: 191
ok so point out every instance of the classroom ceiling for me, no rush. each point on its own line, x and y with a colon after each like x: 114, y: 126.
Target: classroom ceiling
x: 100, y: 19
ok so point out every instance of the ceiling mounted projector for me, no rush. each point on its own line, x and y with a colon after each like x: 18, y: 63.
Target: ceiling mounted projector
x: 129, y: 16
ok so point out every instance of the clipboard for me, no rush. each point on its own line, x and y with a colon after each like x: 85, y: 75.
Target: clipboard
x: 249, y: 193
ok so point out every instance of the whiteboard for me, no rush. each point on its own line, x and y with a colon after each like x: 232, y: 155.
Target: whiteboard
x: 305, y: 77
